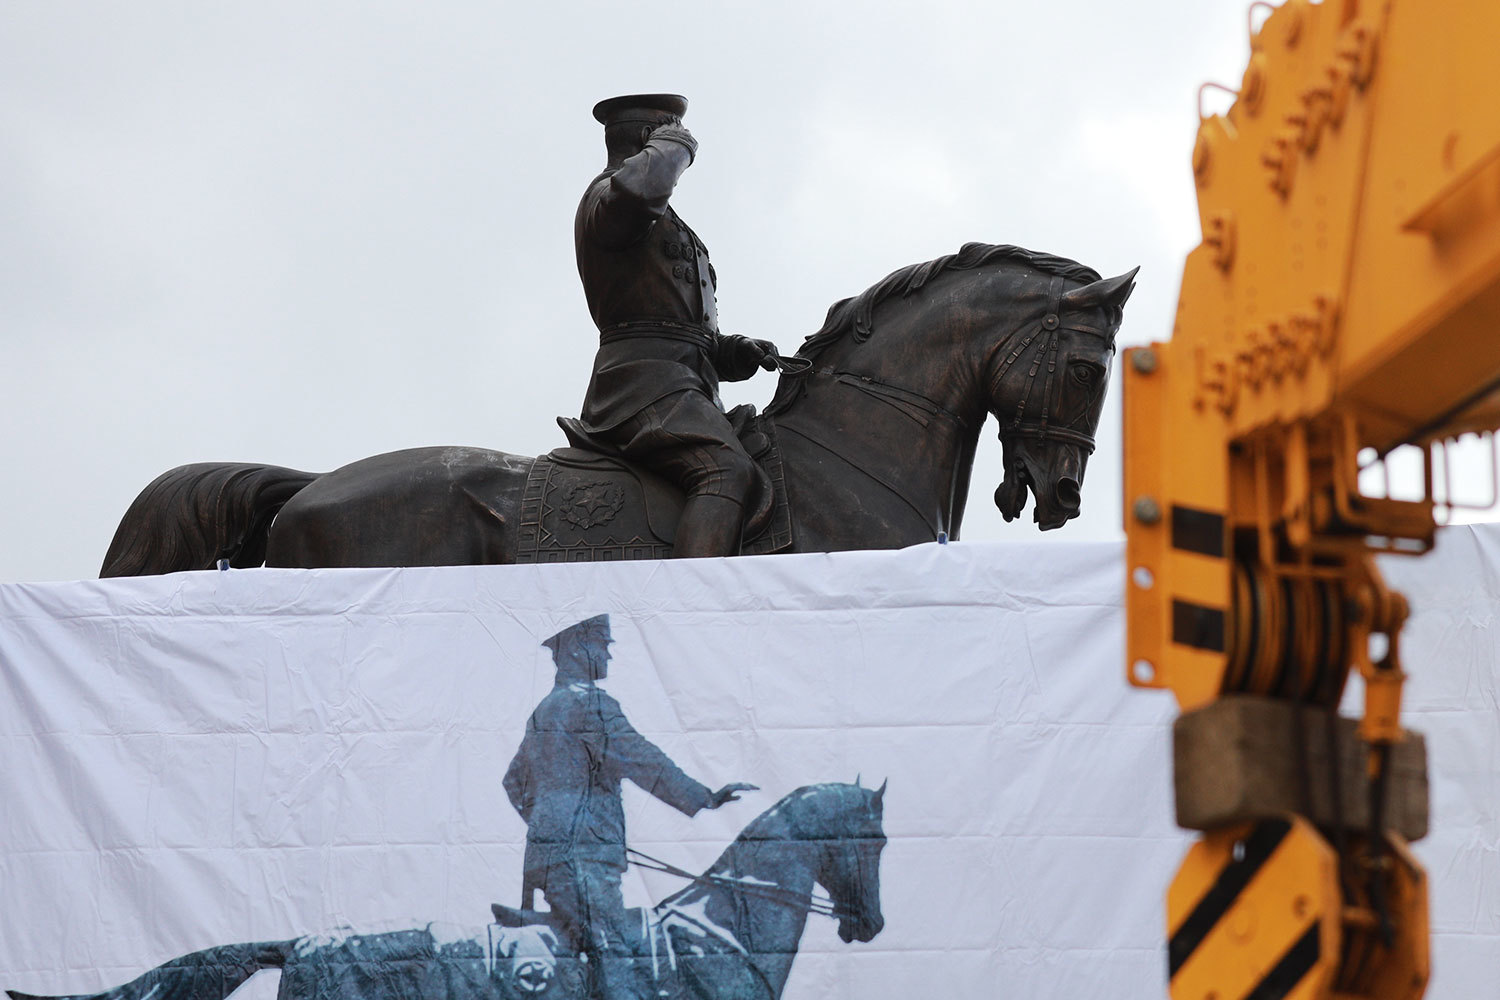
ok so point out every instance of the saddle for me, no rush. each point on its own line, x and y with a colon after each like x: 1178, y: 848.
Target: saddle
x: 554, y: 969
x: 587, y: 503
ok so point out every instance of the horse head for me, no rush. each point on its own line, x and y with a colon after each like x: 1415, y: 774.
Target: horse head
x: 1047, y: 386
x: 899, y: 379
x: 850, y: 865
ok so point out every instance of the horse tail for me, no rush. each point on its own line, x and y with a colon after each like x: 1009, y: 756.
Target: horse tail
x: 192, y: 516
x: 211, y: 974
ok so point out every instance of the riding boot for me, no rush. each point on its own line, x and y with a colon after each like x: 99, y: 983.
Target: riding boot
x: 709, y: 526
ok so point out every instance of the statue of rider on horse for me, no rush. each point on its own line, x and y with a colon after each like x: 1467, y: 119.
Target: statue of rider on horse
x: 868, y: 442
x: 653, y: 395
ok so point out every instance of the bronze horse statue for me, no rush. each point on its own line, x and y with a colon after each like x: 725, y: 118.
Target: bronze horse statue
x: 869, y: 441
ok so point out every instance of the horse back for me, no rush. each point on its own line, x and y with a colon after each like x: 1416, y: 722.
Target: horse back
x: 447, y: 506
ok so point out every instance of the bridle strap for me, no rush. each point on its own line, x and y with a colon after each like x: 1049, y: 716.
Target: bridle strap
x: 1032, y: 429
x: 1049, y: 329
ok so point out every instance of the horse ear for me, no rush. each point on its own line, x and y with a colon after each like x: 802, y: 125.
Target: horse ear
x: 1104, y: 292
x: 878, y: 800
x: 856, y: 779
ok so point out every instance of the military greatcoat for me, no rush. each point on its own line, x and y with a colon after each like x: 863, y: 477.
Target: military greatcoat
x: 565, y: 780
x: 650, y: 288
x: 653, y: 395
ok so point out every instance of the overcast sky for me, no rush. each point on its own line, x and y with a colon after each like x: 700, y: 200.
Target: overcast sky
x: 304, y: 233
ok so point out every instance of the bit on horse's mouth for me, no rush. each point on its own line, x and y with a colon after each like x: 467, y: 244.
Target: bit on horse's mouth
x: 1010, y: 495
x: 1051, y: 508
x: 1054, y: 521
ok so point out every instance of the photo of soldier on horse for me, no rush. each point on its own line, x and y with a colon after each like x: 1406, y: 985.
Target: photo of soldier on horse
x: 731, y: 933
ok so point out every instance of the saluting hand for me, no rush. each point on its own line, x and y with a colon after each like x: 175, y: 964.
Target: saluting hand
x: 731, y: 793
x: 678, y: 133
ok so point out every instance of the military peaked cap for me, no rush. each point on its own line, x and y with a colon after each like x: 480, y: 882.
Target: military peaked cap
x: 595, y: 629
x: 640, y: 107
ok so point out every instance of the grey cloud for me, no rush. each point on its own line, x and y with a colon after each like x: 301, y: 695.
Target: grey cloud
x: 302, y: 234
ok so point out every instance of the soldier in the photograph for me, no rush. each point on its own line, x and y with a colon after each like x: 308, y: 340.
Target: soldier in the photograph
x: 565, y: 782
x: 653, y: 395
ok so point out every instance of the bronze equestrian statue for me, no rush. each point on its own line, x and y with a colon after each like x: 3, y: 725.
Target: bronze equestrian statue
x: 867, y: 443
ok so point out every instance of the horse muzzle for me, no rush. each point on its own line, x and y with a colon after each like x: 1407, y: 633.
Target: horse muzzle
x: 1061, y: 507
x: 1051, y: 470
x: 861, y: 929
x: 1053, y: 508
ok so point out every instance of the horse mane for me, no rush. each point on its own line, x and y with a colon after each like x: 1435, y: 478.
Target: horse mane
x: 856, y: 315
x: 784, y: 821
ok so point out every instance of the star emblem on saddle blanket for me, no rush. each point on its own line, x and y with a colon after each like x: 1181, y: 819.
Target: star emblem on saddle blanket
x: 585, y: 504
x: 533, y: 976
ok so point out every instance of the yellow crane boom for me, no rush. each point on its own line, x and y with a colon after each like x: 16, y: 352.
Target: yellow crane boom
x: 1344, y: 302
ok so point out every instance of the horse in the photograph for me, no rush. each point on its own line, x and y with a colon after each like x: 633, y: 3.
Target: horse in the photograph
x: 732, y: 934
x: 869, y: 440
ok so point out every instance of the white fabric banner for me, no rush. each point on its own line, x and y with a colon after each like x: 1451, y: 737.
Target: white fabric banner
x: 270, y: 756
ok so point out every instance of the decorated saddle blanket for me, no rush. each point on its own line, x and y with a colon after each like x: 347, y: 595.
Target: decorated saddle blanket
x: 589, y: 506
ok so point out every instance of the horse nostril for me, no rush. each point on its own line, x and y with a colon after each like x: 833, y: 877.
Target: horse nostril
x: 1069, y: 493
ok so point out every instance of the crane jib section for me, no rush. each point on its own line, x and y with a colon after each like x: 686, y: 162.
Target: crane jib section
x: 1344, y: 303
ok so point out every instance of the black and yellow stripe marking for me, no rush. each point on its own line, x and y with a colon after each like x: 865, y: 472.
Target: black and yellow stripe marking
x: 1201, y: 626
x: 1198, y: 625
x: 1199, y: 531
x: 1250, y: 915
x: 1294, y: 966
x: 1226, y: 889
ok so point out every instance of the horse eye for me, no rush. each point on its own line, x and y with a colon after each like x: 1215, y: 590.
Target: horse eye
x: 1084, y: 375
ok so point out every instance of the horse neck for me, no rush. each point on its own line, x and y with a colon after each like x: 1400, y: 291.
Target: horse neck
x: 900, y: 415
x: 768, y: 925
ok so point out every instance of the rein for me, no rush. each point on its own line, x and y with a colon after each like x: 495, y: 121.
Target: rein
x: 882, y: 389
x: 880, y: 481
x: 791, y: 365
x: 766, y: 890
x: 896, y: 395
x: 899, y: 397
